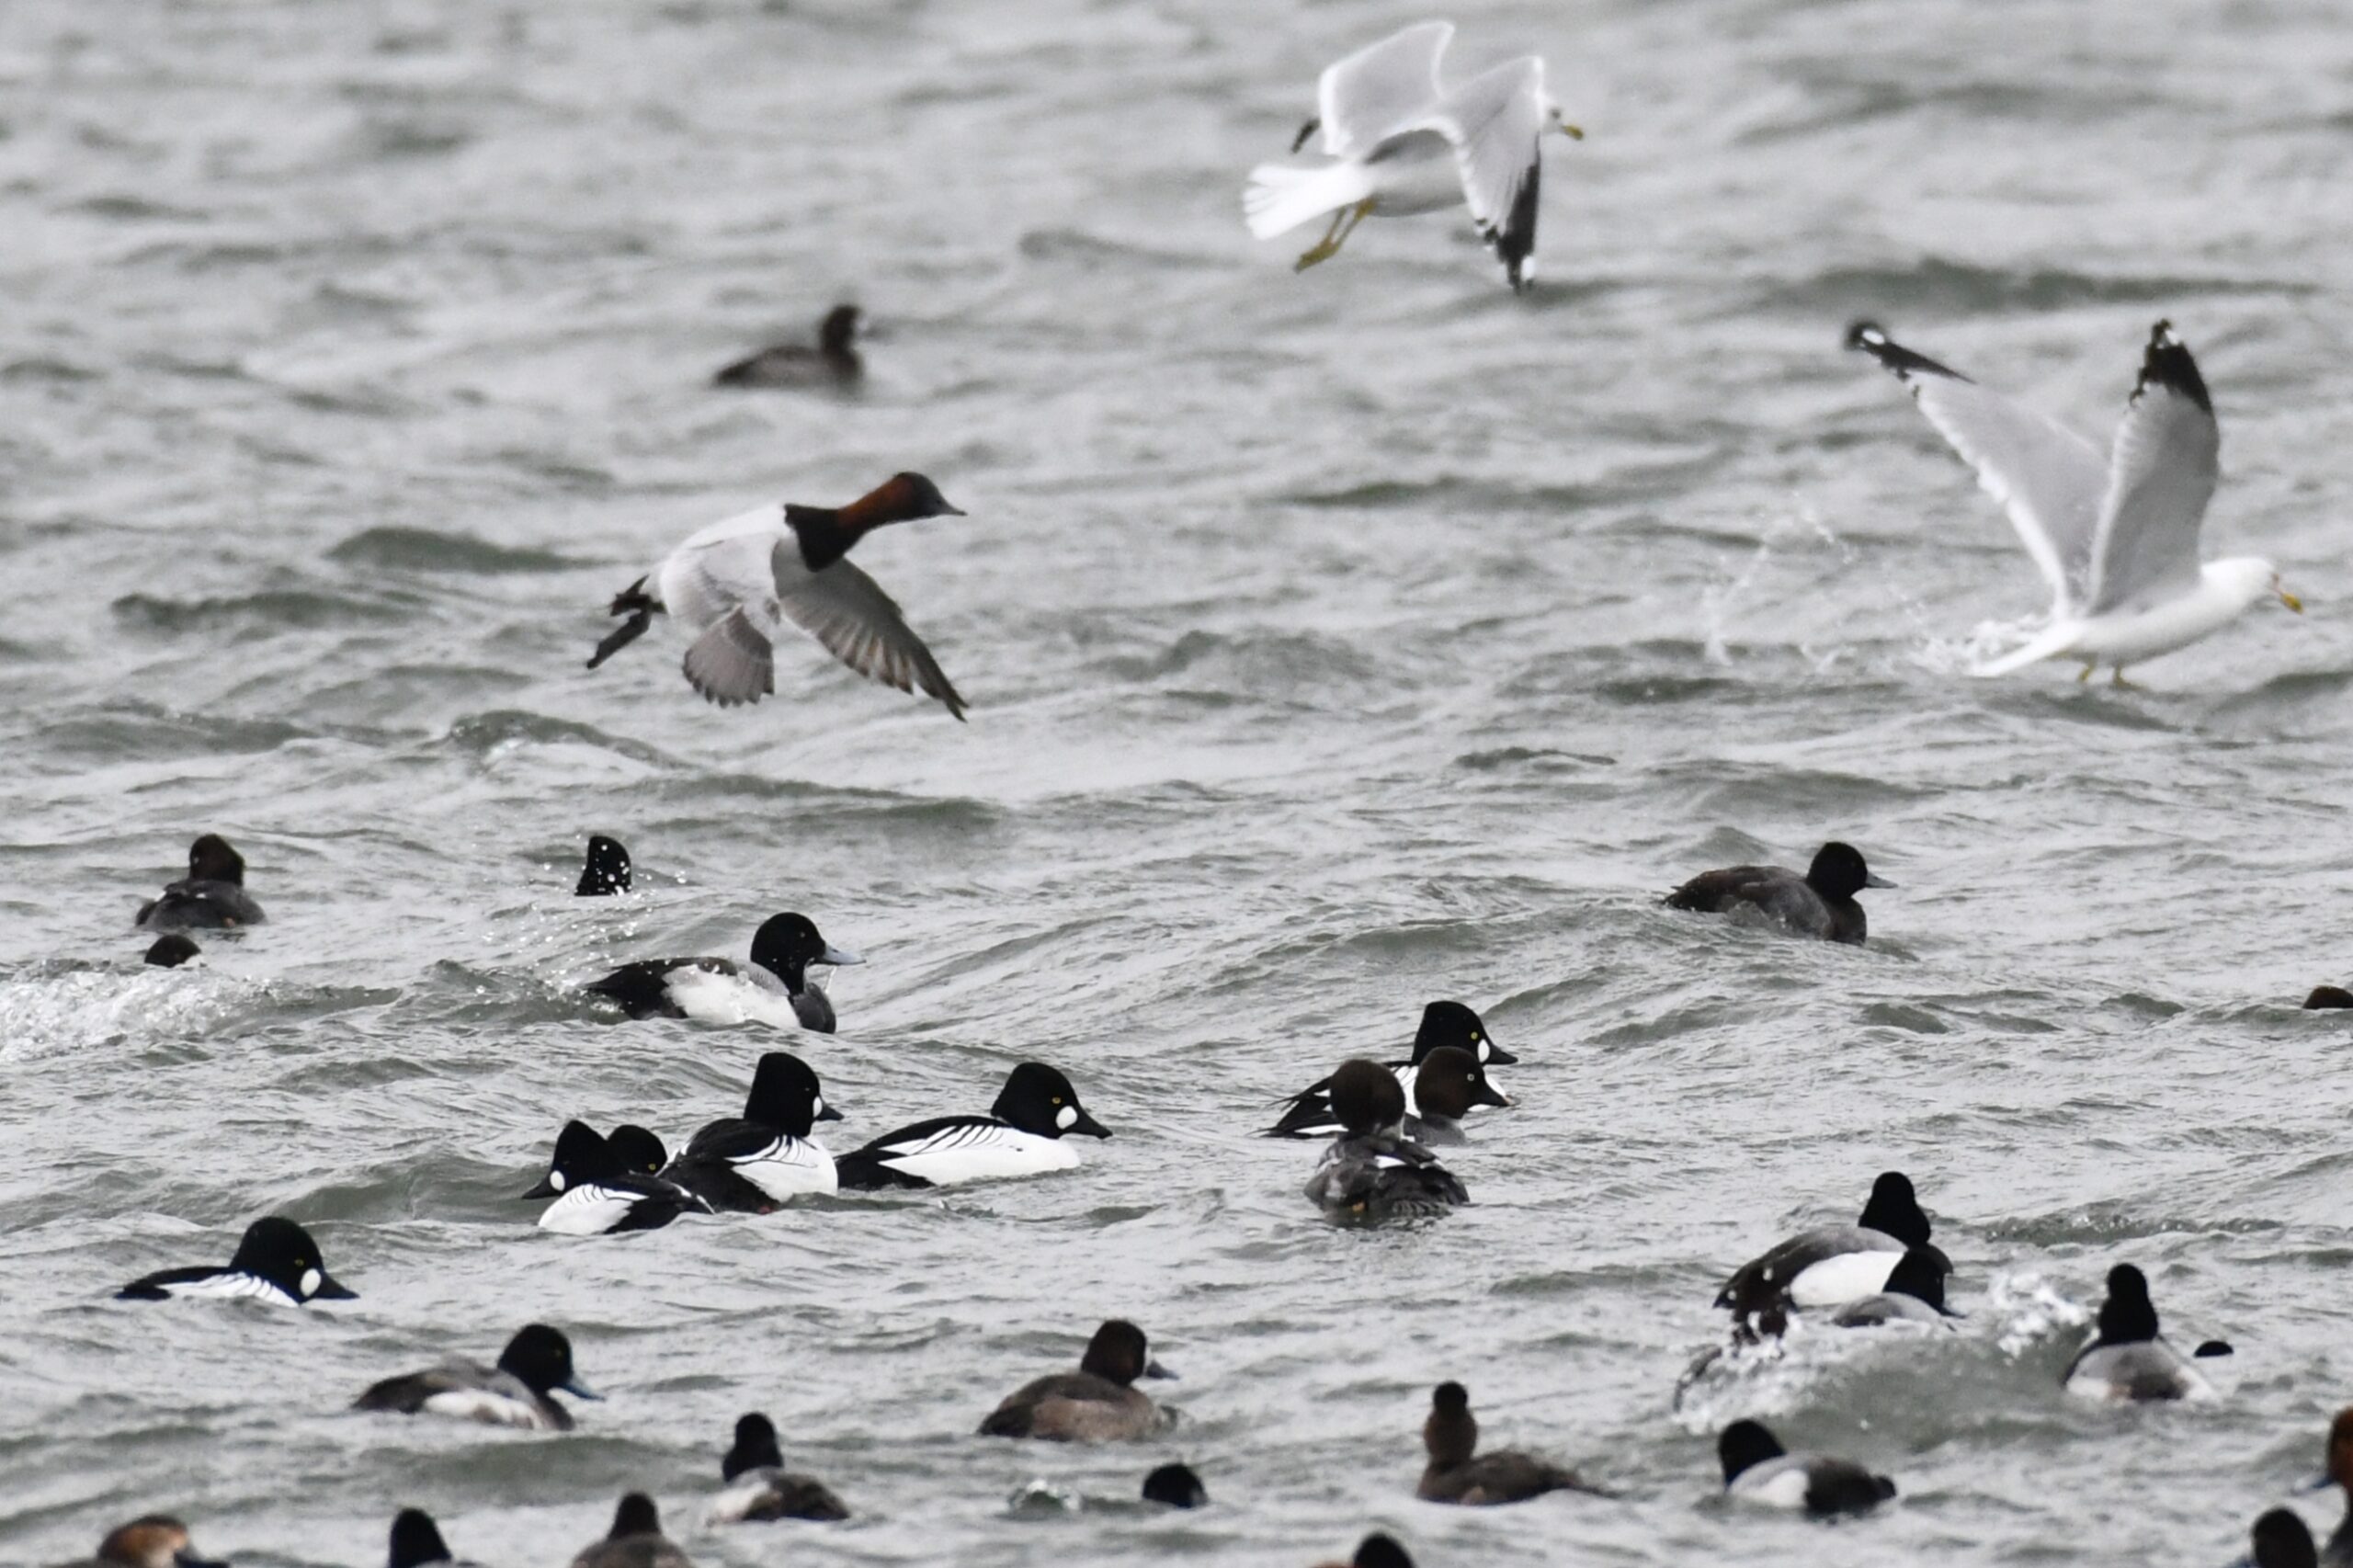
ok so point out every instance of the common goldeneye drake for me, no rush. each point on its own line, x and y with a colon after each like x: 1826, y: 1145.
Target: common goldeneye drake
x: 1176, y: 1486
x: 1819, y: 903
x: 1443, y: 1024
x: 212, y: 895
x: 2281, y: 1540
x: 1914, y: 1292
x: 759, y: 1487
x: 277, y: 1262
x: 1759, y: 1470
x: 1836, y: 1264
x: 834, y: 362
x: 1098, y: 1403
x: 171, y: 950
x: 153, y: 1541
x: 1022, y: 1135
x: 606, y: 870
x: 749, y: 1164
x: 635, y: 1541
x: 416, y: 1542
x: 737, y: 583
x: 1458, y: 1472
x: 2126, y: 1358
x: 605, y: 1184
x: 535, y: 1363
x: 774, y: 990
x: 1449, y: 1087
x: 1370, y: 1171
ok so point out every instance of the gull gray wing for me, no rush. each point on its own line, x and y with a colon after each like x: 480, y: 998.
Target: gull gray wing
x: 860, y: 625
x: 2047, y: 478
x: 2160, y: 478
x: 1380, y: 89
x: 734, y: 661
x: 1495, y: 122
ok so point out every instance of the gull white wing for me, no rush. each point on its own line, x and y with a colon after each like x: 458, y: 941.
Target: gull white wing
x: 858, y: 623
x: 1380, y: 89
x: 2046, y: 477
x: 1495, y: 122
x: 2160, y: 476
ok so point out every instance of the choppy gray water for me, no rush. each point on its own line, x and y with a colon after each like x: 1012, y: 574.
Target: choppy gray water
x: 1335, y: 643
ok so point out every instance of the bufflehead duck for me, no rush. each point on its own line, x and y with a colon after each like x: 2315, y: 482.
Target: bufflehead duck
x: 2280, y: 1540
x: 635, y: 1541
x: 1458, y: 1472
x: 153, y: 1541
x: 277, y: 1262
x: 1759, y: 1470
x: 737, y: 583
x: 1098, y: 1403
x: 1375, y: 1551
x: 212, y: 895
x: 1819, y: 903
x: 1914, y: 1292
x: 605, y: 872
x: 758, y: 1486
x: 1176, y: 1486
x: 1370, y: 1171
x: 171, y: 951
x: 775, y: 990
x: 2126, y: 1358
x: 2328, y: 997
x: 516, y: 1393
x: 1443, y: 1024
x: 602, y: 1186
x: 748, y: 1165
x: 1837, y: 1264
x: 1022, y: 1135
x: 416, y: 1542
x: 2339, y: 1473
x: 1450, y: 1085
x: 834, y: 362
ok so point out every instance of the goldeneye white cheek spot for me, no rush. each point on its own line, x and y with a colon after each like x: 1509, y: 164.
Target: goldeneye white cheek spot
x: 1066, y: 1118
x: 311, y: 1278
x: 555, y: 1180
x: 817, y: 1104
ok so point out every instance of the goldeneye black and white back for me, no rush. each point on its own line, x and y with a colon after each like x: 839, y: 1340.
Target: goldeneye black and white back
x: 1022, y: 1135
x: 1819, y: 903
x: 774, y: 990
x: 2126, y: 1358
x: 1914, y: 1292
x: 760, y: 1488
x: 1370, y: 1171
x: 605, y: 872
x: 1309, y: 1114
x: 211, y: 897
x: 1837, y: 1264
x: 276, y: 1262
x: 516, y: 1392
x: 1759, y: 1470
x: 602, y: 1186
x: 749, y: 1164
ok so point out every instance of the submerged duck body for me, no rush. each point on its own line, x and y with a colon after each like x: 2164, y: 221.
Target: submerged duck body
x: 1837, y: 1264
x: 211, y: 897
x: 1458, y: 1472
x: 2127, y: 1359
x: 1098, y: 1403
x: 276, y: 1262
x: 752, y: 1164
x: 760, y: 1488
x: 1819, y: 903
x: 1759, y: 1470
x: 1444, y: 1024
x: 774, y: 989
x: 516, y: 1393
x: 1022, y: 1135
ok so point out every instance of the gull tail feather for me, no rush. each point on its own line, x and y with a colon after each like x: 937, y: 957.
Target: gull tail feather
x: 1280, y: 197
x: 2049, y: 644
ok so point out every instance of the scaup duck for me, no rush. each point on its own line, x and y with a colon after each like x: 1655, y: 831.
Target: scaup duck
x: 737, y: 583
x: 1370, y: 1171
x: 1098, y: 1403
x: 152, y: 1540
x: 1176, y: 1486
x: 1819, y: 903
x: 1022, y: 1135
x: 749, y: 1164
x: 635, y: 1541
x: 760, y: 1488
x: 516, y: 1392
x: 1443, y: 1024
x: 2126, y: 1358
x: 605, y: 872
x: 276, y: 1261
x: 1914, y: 1292
x: 1836, y: 1264
x: 835, y: 361
x: 212, y: 895
x: 1759, y: 1470
x: 774, y: 990
x: 603, y: 1186
x: 1458, y: 1472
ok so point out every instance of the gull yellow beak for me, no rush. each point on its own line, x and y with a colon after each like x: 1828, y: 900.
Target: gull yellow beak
x: 2291, y: 601
x: 1573, y: 132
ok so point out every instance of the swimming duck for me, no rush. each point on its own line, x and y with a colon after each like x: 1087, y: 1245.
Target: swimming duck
x: 1759, y: 1470
x: 276, y: 1261
x: 1836, y: 1264
x: 1176, y: 1486
x: 1914, y: 1292
x: 1443, y: 1024
x: 152, y: 1540
x: 774, y: 990
x: 1375, y: 1550
x: 2323, y: 996
x: 1449, y: 1086
x: 1819, y: 903
x: 635, y: 1541
x: 1022, y: 1135
x: 749, y: 1164
x: 416, y: 1542
x: 212, y: 895
x: 171, y: 950
x: 1097, y: 1403
x: 1370, y: 1171
x: 516, y: 1392
x: 2126, y: 1360
x: 606, y: 870
x: 1457, y: 1472
x: 2280, y: 1540
x: 735, y: 584
x: 605, y: 1186
x: 759, y: 1487
x: 834, y: 362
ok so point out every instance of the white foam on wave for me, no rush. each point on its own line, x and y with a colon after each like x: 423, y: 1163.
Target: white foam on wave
x: 46, y: 1015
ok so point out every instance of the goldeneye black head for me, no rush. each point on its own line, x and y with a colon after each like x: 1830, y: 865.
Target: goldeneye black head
x: 1036, y: 1098
x: 755, y: 1448
x: 1838, y: 871
x: 1379, y: 1551
x: 839, y: 329
x: 580, y: 1155
x: 1176, y: 1485
x: 170, y: 953
x: 636, y: 1516
x: 1895, y: 1209
x: 542, y: 1358
x: 1745, y: 1444
x: 2281, y: 1540
x: 153, y: 1541
x: 283, y: 1253
x: 1366, y: 1097
x: 636, y: 1151
x: 2127, y: 1317
x: 416, y: 1540
x: 1920, y: 1273
x: 606, y: 871
x: 786, y: 945
x: 1120, y: 1353
x: 1450, y: 1434
x: 1451, y: 1082
x: 2322, y: 996
x: 1452, y: 1023
x: 785, y: 1096
x: 210, y: 860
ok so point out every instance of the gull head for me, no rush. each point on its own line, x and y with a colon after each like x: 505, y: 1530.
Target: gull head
x: 2246, y: 578
x: 1556, y: 119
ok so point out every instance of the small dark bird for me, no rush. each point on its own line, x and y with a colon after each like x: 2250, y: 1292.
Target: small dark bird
x: 1819, y: 903
x: 212, y: 895
x: 2328, y: 997
x: 516, y: 1392
x: 1177, y: 1486
x: 2127, y: 1359
x: 1371, y: 1171
x: 834, y: 362
x: 416, y: 1542
x: 759, y: 1487
x: 1759, y: 1470
x: 171, y: 951
x: 635, y: 1541
x: 2280, y: 1540
x: 606, y: 871
x: 1458, y: 1472
x: 1097, y: 1403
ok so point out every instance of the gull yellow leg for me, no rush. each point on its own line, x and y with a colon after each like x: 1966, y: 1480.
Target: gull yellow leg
x: 1335, y: 236
x: 2085, y: 678
x: 2119, y: 681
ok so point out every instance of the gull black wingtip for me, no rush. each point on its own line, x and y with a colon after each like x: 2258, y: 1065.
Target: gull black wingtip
x: 2167, y: 363
x: 1865, y: 336
x: 1310, y: 128
x: 1868, y: 336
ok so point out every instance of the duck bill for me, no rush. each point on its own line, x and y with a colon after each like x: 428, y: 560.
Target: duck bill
x: 1490, y: 1095
x: 579, y: 1389
x: 838, y: 956
x: 1498, y: 1057
x: 546, y: 1188
x: 1088, y: 1125
x: 333, y: 1290
x: 1154, y: 1369
x: 826, y: 1112
x: 1876, y: 882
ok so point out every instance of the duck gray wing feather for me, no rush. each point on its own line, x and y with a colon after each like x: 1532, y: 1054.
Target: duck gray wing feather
x: 732, y: 662
x: 860, y: 625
